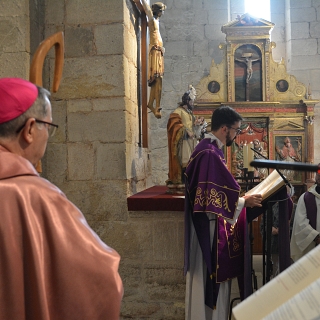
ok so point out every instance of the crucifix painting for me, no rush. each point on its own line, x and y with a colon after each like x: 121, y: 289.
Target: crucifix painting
x: 248, y: 75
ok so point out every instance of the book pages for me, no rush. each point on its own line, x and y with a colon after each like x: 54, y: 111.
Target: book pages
x: 304, y: 305
x: 291, y: 283
x: 272, y: 183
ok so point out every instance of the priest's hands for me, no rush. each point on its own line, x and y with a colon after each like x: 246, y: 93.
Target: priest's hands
x: 253, y: 200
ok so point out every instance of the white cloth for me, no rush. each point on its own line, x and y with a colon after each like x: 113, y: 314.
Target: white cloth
x: 211, y: 136
x: 196, y: 276
x: 241, y: 201
x: 302, y: 233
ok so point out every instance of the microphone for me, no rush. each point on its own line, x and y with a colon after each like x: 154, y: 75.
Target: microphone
x: 297, y: 166
x: 282, y: 176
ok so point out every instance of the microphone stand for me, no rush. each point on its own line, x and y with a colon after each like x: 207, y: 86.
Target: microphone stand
x: 281, y: 175
x: 248, y: 177
x: 249, y: 185
x: 267, y: 229
x: 297, y: 166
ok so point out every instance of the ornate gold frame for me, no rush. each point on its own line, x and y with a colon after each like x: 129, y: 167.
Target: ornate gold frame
x: 255, y: 32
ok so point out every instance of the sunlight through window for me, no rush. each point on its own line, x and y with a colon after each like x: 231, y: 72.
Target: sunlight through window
x: 258, y: 9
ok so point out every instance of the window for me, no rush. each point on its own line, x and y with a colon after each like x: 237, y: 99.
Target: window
x: 258, y: 9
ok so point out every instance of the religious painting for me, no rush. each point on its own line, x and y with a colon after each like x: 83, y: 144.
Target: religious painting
x: 282, y: 85
x: 289, y: 148
x: 248, y: 73
x: 254, y: 134
x: 214, y: 86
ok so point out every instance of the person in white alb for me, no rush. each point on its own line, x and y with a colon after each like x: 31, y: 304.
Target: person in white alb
x: 306, y: 225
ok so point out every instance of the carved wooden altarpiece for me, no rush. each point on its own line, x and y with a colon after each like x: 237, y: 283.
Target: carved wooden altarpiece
x: 278, y: 110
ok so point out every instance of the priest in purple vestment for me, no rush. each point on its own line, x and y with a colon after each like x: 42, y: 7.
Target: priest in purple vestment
x: 215, y: 222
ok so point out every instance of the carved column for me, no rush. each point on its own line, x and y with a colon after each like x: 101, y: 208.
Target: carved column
x: 309, y: 119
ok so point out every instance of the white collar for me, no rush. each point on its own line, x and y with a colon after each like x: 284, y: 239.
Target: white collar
x: 312, y: 189
x: 212, y: 137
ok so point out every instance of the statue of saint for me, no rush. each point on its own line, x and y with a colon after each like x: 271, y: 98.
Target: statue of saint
x: 184, y: 132
x: 156, y: 52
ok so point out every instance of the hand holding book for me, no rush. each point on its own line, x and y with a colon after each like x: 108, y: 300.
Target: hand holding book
x: 271, y: 184
x: 253, y: 200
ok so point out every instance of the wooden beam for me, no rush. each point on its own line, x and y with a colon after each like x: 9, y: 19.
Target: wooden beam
x: 144, y: 73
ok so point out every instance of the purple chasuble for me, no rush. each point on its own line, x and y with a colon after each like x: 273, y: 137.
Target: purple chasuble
x: 210, y: 188
x: 311, y: 208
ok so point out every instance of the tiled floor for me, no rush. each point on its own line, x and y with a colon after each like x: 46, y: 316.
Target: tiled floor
x: 258, y: 269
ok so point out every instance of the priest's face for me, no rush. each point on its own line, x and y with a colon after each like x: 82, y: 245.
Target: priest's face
x: 232, y: 133
x: 229, y: 140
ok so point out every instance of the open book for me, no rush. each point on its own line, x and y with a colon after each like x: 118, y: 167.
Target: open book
x: 293, y: 294
x: 272, y: 183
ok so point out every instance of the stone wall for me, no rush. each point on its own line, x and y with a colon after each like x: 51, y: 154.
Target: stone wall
x: 191, y: 31
x: 303, y: 51
x: 152, y: 266
x: 95, y: 157
x: 278, y: 34
x: 14, y: 38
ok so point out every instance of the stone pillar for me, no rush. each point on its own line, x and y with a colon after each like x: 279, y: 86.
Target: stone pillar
x: 302, y: 46
x: 14, y: 39
x: 302, y: 25
x: 98, y: 91
x: 95, y: 156
x: 277, y: 10
x: 310, y: 154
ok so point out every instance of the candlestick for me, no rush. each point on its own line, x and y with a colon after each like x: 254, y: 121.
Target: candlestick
x: 250, y: 156
x: 245, y: 156
x: 309, y: 91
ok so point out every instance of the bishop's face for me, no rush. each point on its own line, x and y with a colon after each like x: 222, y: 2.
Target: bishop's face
x: 41, y: 135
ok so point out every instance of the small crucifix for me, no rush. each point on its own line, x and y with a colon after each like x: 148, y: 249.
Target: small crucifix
x: 247, y: 59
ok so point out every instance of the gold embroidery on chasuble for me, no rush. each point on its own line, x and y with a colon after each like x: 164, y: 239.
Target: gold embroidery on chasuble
x: 216, y: 198
x: 233, y: 235
x: 223, y: 160
x: 200, y: 197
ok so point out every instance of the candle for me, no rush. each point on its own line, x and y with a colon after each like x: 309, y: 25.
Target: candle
x: 250, y: 156
x: 245, y: 156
